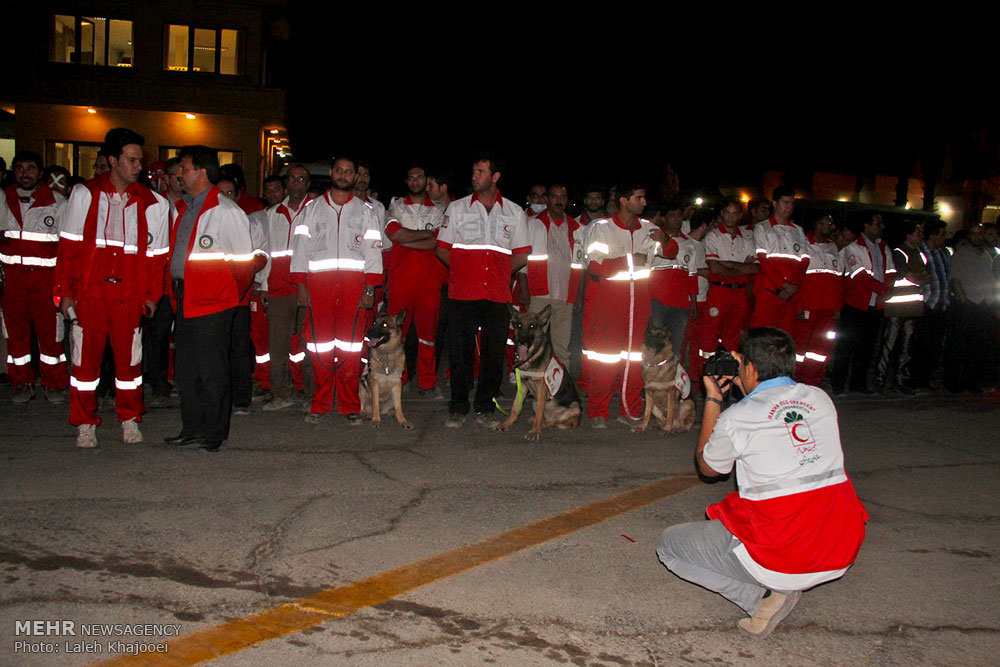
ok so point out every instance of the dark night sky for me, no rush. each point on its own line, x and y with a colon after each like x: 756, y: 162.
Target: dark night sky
x: 557, y: 112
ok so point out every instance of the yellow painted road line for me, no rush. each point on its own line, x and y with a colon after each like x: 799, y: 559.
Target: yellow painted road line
x: 241, y: 633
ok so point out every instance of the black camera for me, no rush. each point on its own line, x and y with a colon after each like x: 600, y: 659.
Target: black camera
x: 721, y: 364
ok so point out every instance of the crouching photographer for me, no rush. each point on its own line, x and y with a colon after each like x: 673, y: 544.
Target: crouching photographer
x: 795, y: 521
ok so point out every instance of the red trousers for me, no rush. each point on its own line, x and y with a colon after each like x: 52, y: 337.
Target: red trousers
x: 258, y: 336
x: 693, y: 337
x: 771, y: 311
x: 611, y: 360
x: 422, y: 302
x: 813, y: 345
x: 104, y: 314
x: 27, y: 302
x: 726, y: 311
x: 334, y: 340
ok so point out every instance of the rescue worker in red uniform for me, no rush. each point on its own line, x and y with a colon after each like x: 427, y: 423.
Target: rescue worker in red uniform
x: 732, y: 265
x: 109, y: 273
x: 781, y: 251
x: 212, y: 264
x: 415, y: 274
x: 555, y: 267
x: 274, y: 193
x: 483, y: 241
x: 280, y: 293
x: 673, y: 284
x: 619, y: 253
x: 870, y: 275
x: 336, y: 265
x: 820, y: 299
x: 31, y: 216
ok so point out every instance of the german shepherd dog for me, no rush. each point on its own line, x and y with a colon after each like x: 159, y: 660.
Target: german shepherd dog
x: 557, y: 401
x: 384, y: 374
x: 664, y: 378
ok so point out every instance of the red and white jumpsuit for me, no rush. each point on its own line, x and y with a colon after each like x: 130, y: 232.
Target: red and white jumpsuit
x: 415, y: 278
x: 781, y: 251
x: 258, y: 316
x: 727, y: 306
x: 279, y: 223
x: 616, y: 312
x: 336, y: 252
x: 112, y: 252
x: 819, y: 300
x: 554, y: 267
x: 28, y: 254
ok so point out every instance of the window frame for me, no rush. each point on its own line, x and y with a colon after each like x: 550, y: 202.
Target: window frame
x: 78, y: 41
x: 191, y: 28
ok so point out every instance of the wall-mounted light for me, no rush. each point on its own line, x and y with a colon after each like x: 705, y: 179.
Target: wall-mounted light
x: 190, y: 116
x: 274, y: 131
x: 699, y: 201
x: 91, y: 110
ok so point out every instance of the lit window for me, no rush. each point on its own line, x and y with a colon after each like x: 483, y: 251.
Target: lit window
x: 211, y: 50
x: 91, y: 40
x: 76, y: 157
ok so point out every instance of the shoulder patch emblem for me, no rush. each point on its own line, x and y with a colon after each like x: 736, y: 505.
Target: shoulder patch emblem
x: 205, y: 241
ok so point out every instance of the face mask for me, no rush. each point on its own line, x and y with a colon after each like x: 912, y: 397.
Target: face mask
x: 537, y: 208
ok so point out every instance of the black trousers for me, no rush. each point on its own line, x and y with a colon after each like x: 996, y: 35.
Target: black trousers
x: 968, y: 350
x: 928, y: 344
x: 465, y: 318
x: 241, y: 358
x: 857, y: 336
x: 202, y: 371
x: 156, y: 347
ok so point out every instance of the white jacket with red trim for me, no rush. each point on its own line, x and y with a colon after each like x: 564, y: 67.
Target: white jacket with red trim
x: 280, y: 221
x: 482, y: 244
x: 220, y: 262
x: 823, y: 286
x: 610, y: 248
x: 863, y: 288
x: 781, y: 251
x: 674, y: 275
x: 410, y: 263
x: 537, y: 268
x: 146, y: 244
x: 31, y: 240
x: 328, y: 238
x: 726, y: 247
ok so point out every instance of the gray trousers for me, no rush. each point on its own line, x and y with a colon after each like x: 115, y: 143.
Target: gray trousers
x: 702, y: 553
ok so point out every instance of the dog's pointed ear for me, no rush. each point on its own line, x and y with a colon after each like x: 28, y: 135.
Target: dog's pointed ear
x: 513, y: 311
x: 382, y: 307
x: 544, y: 315
x: 400, y: 318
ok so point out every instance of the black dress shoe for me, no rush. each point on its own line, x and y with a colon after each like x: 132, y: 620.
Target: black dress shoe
x: 181, y: 440
x: 210, y: 445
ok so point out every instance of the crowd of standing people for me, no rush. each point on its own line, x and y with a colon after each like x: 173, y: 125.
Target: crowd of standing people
x: 173, y: 279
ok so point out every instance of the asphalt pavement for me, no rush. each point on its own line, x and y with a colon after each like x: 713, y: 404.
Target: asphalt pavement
x: 157, y: 543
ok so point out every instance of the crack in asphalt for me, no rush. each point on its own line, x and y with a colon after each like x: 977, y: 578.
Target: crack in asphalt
x: 265, y: 550
x: 393, y: 523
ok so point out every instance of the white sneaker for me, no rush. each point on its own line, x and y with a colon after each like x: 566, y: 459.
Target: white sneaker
x: 130, y: 432
x: 86, y: 436
x: 278, y: 403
